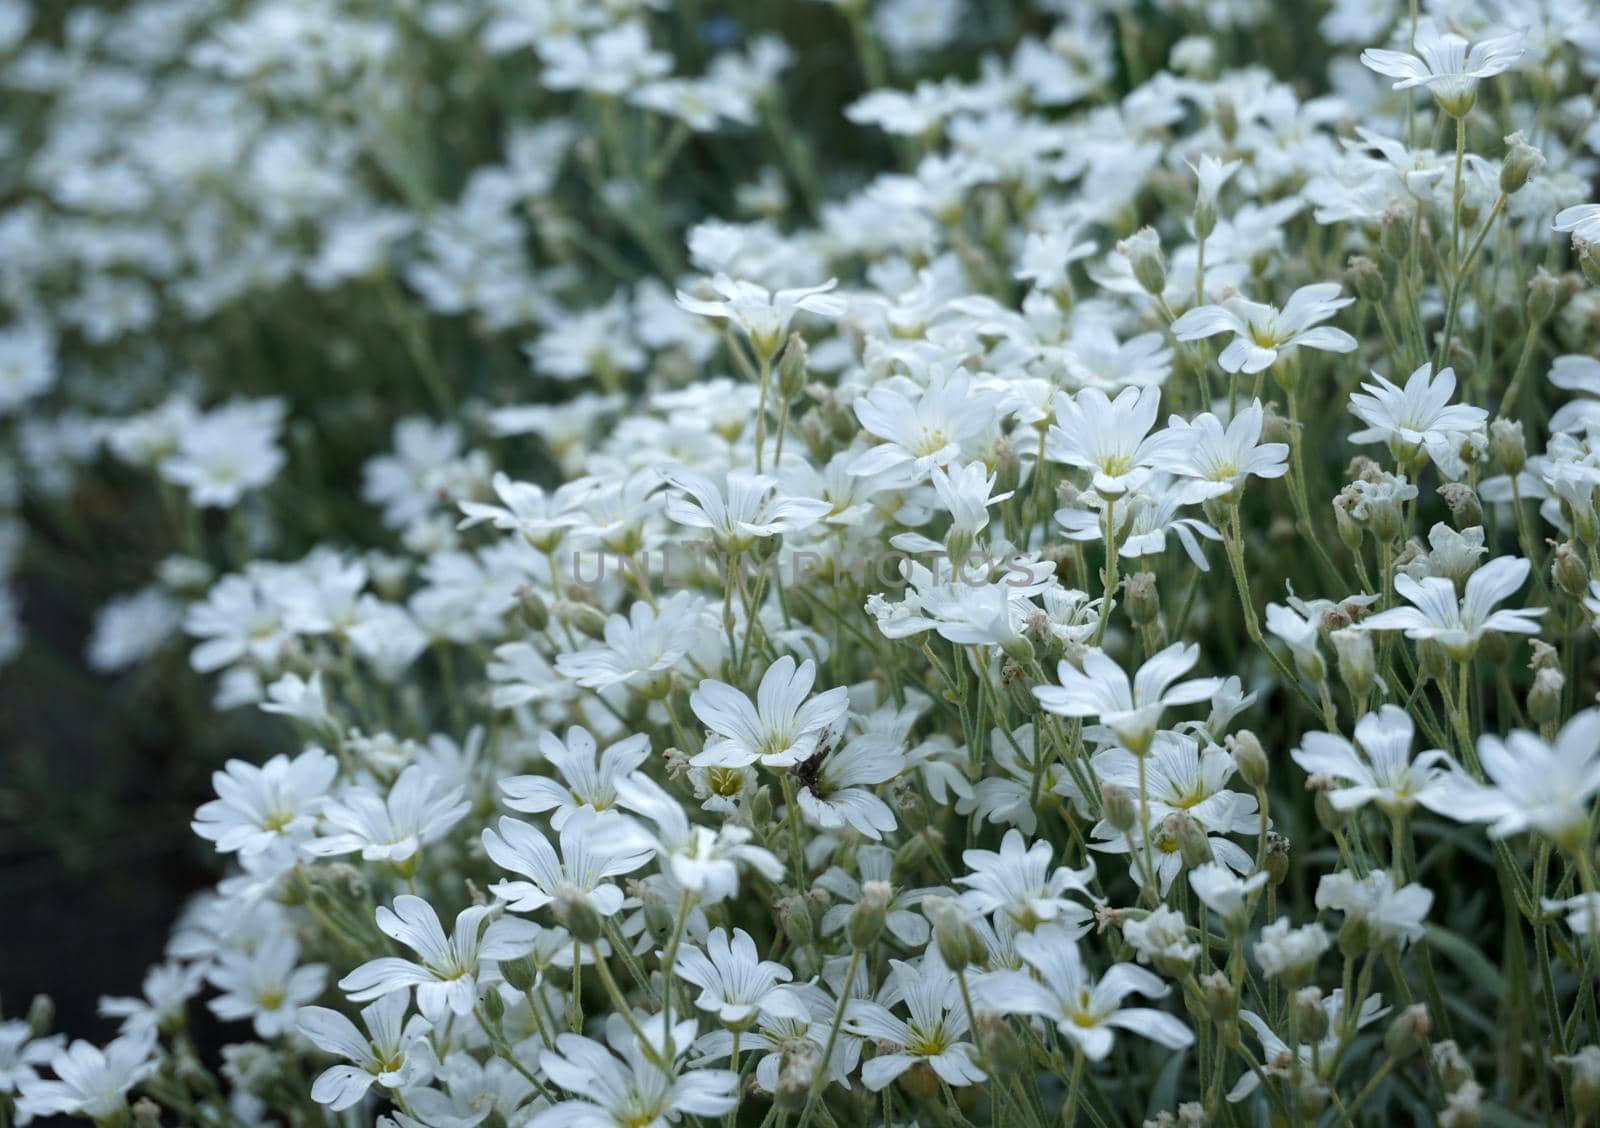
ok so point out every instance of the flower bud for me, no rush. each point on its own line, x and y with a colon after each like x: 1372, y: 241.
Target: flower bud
x: 792, y: 369
x: 912, y: 853
x: 1454, y: 1071
x: 761, y: 806
x: 1250, y: 758
x: 576, y: 915
x: 1222, y: 1003
x: 1465, y: 512
x: 958, y: 945
x: 1588, y: 259
x: 1543, y: 290
x: 1277, y: 860
x: 1544, y: 696
x: 794, y: 918
x: 1310, y: 1019
x: 41, y: 1015
x: 1365, y: 277
x: 1585, y: 1088
x: 866, y: 919
x: 1408, y: 1032
x: 534, y: 611
x: 146, y: 1113
x: 521, y: 973
x: 1394, y: 234
x: 494, y: 1006
x: 589, y: 619
x: 1355, y: 936
x: 1350, y: 531
x: 1433, y: 663
x: 1003, y: 1052
x: 1143, y: 252
x: 797, y: 1072
x: 1357, y: 662
x: 1522, y: 160
x: 1118, y: 807
x: 1193, y: 844
x: 1569, y: 571
x: 1141, y: 599
x: 1507, y: 445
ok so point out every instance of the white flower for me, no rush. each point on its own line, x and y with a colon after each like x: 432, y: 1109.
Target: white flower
x: 1447, y: 64
x: 1459, y: 625
x: 589, y: 778
x: 1582, y: 220
x: 1214, y: 461
x: 167, y: 989
x: 735, y: 983
x: 922, y: 427
x: 933, y: 1033
x: 447, y: 971
x: 1262, y: 332
x: 420, y: 810
x: 780, y: 728
x: 624, y: 1087
x: 393, y: 1052
x: 1290, y: 953
x: 703, y: 861
x: 746, y: 509
x: 91, y: 1082
x: 1531, y: 785
x: 1162, y: 938
x: 594, y: 848
x: 967, y: 495
x: 642, y: 647
x: 1224, y: 892
x: 228, y: 452
x: 1130, y: 709
x: 257, y: 807
x: 1382, y: 771
x: 20, y: 1051
x: 1278, y: 1060
x: 268, y: 986
x: 1390, y: 913
x: 835, y: 786
x: 1019, y: 882
x: 1419, y: 415
x: 542, y: 518
x: 1109, y: 437
x: 764, y: 316
x: 1085, y: 1010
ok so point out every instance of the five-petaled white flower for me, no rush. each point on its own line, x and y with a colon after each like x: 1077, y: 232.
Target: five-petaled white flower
x: 1458, y: 625
x: 1129, y: 708
x: 1263, y: 332
x: 780, y: 728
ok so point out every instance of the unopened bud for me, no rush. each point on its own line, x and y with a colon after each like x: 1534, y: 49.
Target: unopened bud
x: 1277, y: 860
x: 1250, y: 758
x: 1454, y: 1070
x: 1543, y: 290
x: 146, y: 1113
x: 1365, y: 277
x: 1143, y: 252
x: 1588, y: 259
x: 1003, y: 1052
x: 1142, y: 601
x: 794, y: 918
x: 1585, y: 1070
x: 958, y: 945
x: 1357, y: 661
x: 590, y: 620
x: 1569, y: 571
x: 535, y: 612
x: 792, y: 369
x: 576, y: 915
x: 494, y: 1007
x: 1222, y: 1002
x: 1118, y: 807
x: 41, y: 1015
x: 520, y: 973
x: 1465, y: 511
x: 1544, y: 696
x: 1193, y: 844
x: 1522, y: 161
x: 1408, y: 1032
x: 1394, y: 233
x: 1310, y: 1018
x: 866, y: 919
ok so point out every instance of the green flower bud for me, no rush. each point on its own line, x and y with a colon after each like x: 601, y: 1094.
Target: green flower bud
x: 792, y: 369
x: 1309, y: 1017
x: 1250, y: 758
x: 1569, y: 571
x: 534, y: 611
x: 1143, y: 251
x: 1544, y: 289
x: 494, y: 1006
x: 1544, y: 696
x: 1465, y: 511
x: 1394, y: 233
x: 1118, y: 807
x: 1277, y: 860
x: 1408, y: 1032
x: 1522, y: 160
x: 1365, y: 277
x: 1357, y: 661
x: 867, y: 918
x: 521, y: 973
x: 1588, y: 259
x: 958, y: 945
x: 1141, y: 599
x: 1193, y: 844
x: 794, y: 917
x: 1585, y: 1072
x: 577, y: 915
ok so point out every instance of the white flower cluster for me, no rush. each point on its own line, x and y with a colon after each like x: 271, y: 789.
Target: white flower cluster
x: 792, y: 667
